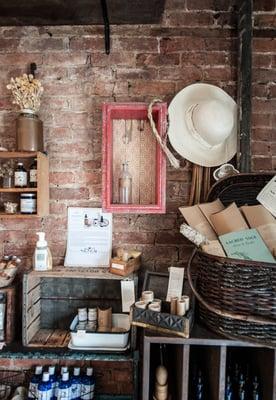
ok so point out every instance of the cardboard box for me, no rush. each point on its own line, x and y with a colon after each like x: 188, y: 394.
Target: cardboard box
x: 124, y: 268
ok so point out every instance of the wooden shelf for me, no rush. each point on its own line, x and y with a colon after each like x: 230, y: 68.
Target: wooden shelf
x: 18, y: 154
x: 17, y: 215
x: 211, y: 353
x: 42, y: 189
x: 18, y: 190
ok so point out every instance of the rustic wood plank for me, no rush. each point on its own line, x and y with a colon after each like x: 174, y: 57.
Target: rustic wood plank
x: 57, y: 338
x: 77, y: 272
x: 222, y: 372
x: 185, y: 372
x: 33, y: 313
x: 41, y: 337
x: 42, y: 185
x: 30, y: 331
x: 146, y: 370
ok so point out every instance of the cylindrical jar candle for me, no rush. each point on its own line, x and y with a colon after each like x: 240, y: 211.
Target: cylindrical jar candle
x: 28, y: 203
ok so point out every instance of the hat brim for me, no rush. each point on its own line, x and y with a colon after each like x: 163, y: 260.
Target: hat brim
x: 180, y: 136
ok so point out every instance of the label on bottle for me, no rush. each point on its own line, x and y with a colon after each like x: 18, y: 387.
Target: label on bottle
x: 40, y: 260
x: 44, y: 394
x: 87, y: 392
x: 75, y: 391
x: 33, y: 175
x: 32, y: 394
x: 64, y: 393
x: 20, y: 178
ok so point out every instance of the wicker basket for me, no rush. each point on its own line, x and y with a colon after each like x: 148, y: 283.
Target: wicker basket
x: 237, y: 298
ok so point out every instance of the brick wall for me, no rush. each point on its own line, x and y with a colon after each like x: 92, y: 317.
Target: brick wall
x: 264, y: 86
x: 196, y: 41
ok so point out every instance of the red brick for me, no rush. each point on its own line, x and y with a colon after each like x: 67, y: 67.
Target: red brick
x: 157, y: 60
x: 209, y: 5
x: 69, y: 194
x: 86, y: 43
x: 264, y: 45
x: 262, y: 60
x: 225, y: 73
x: 168, y: 45
x: 176, y: 18
x: 134, y: 237
x: 264, y: 20
x: 260, y: 5
x: 41, y: 44
x: 262, y: 163
x: 263, y: 133
x: 139, y: 43
x: 151, y: 88
x: 260, y: 148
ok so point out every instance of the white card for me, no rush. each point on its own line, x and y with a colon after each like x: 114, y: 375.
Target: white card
x: 128, y: 294
x: 267, y: 196
x: 175, y: 282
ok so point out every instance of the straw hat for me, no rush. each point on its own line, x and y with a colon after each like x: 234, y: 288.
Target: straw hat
x: 203, y: 125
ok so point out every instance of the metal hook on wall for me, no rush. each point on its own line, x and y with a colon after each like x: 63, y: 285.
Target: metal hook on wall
x: 106, y: 26
x: 33, y: 68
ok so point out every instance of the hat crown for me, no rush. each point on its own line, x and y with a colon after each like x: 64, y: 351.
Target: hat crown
x: 213, y: 121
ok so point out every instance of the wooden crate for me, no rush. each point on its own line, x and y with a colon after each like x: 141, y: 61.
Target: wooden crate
x: 127, y: 136
x: 10, y: 314
x: 51, y: 300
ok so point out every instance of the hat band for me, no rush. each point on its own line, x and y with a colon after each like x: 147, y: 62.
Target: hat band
x: 190, y: 124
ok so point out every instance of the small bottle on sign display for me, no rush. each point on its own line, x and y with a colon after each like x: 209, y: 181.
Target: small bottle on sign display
x: 125, y: 185
x: 44, y: 389
x: 88, y: 385
x: 34, y: 382
x: 33, y: 174
x: 20, y: 176
x: 76, y: 385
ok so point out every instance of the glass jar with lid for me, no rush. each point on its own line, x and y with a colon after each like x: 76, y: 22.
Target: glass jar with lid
x: 28, y: 203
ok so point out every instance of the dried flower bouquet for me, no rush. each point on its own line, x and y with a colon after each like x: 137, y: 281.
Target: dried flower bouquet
x: 27, y: 92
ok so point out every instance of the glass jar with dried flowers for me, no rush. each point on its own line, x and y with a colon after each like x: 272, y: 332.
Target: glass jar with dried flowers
x: 6, y: 173
x: 27, y: 92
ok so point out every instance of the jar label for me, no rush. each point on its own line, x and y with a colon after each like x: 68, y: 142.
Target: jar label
x: 33, y: 175
x: 20, y: 178
x: 28, y: 205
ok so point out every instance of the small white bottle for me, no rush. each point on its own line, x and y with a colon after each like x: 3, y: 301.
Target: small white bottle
x: 42, y: 256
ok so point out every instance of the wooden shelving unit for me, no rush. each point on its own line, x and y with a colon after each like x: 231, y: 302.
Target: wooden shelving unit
x: 212, y: 354
x: 42, y: 189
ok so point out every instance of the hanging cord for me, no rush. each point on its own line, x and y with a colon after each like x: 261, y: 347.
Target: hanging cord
x: 162, y: 142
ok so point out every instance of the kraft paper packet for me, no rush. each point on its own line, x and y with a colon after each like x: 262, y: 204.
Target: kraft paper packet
x: 228, y: 220
x: 257, y: 215
x: 214, y: 247
x: 268, y: 234
x: 211, y: 208
x: 198, y: 221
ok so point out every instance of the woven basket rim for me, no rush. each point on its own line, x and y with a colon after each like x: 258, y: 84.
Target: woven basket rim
x: 241, y: 175
x: 235, y: 261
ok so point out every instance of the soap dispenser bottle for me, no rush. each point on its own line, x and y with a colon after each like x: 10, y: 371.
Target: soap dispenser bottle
x: 42, y: 256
